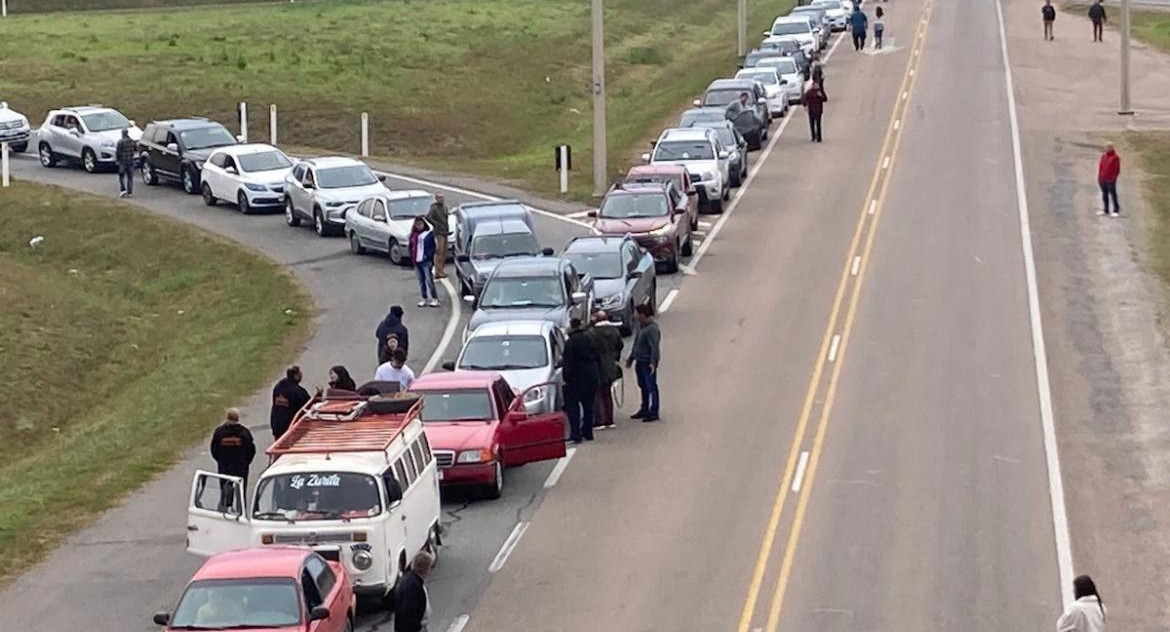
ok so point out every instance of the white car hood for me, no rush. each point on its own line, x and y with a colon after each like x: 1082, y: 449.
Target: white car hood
x: 274, y: 178
x: 7, y: 116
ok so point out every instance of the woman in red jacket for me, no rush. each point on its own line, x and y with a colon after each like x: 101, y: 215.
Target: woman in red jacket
x: 1107, y: 171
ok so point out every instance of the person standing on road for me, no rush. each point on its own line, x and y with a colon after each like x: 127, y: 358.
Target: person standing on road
x: 860, y: 24
x: 125, y: 156
x: 396, y: 371
x: 437, y: 218
x: 814, y: 103
x: 879, y: 27
x: 1087, y: 613
x: 1098, y: 18
x: 581, y: 373
x: 412, y: 603
x: 608, y: 342
x: 1048, y: 12
x: 391, y: 325
x: 645, y: 357
x: 288, y: 398
x: 233, y: 449
x: 817, y: 75
x: 1108, y: 170
x: 422, y: 254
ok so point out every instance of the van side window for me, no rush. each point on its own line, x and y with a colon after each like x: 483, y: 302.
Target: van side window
x: 411, y: 469
x: 426, y: 447
x: 419, y: 459
x: 400, y: 469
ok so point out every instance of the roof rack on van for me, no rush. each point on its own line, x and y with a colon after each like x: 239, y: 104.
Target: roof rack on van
x: 348, y: 422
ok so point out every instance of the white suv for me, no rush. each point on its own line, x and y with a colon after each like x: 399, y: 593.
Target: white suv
x: 323, y: 189
x: 87, y: 135
x: 14, y: 129
x: 703, y: 156
x: 799, y: 27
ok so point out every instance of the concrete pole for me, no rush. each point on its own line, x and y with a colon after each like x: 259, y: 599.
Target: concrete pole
x: 244, y: 121
x: 3, y: 8
x: 741, y: 26
x: 272, y: 125
x: 365, y: 135
x: 1126, y: 107
x: 4, y: 165
x: 600, y: 170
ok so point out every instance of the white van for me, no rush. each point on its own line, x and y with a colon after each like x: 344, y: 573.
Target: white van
x: 353, y: 478
x: 799, y: 27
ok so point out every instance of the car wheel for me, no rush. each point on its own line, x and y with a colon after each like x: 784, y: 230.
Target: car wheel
x: 319, y: 223
x: 208, y: 198
x: 89, y: 160
x: 433, y: 544
x: 242, y: 203
x: 695, y: 222
x: 736, y: 179
x: 716, y: 207
x: 672, y: 264
x: 290, y: 215
x: 688, y: 246
x: 355, y: 244
x: 48, y: 158
x: 726, y: 195
x: 394, y: 251
x: 18, y: 148
x: 190, y: 186
x: 149, y: 177
x: 495, y: 489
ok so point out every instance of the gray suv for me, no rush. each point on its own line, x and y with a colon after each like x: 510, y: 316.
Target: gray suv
x: 534, y: 288
x: 85, y: 135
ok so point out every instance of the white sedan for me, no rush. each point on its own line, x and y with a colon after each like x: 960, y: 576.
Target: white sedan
x: 252, y: 176
x: 382, y: 223
x: 790, y: 77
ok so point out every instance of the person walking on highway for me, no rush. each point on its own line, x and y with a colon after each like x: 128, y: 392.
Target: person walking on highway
x: 608, y: 342
x: 1048, y: 12
x: 1098, y: 18
x: 860, y: 24
x: 1108, y: 170
x: 581, y: 373
x: 814, y: 103
x: 233, y: 449
x: 437, y: 218
x: 645, y: 358
x: 422, y: 255
x: 1087, y: 613
x: 879, y: 28
x: 288, y: 398
x: 396, y: 371
x: 412, y: 603
x: 817, y: 75
x: 126, y: 156
x: 391, y: 325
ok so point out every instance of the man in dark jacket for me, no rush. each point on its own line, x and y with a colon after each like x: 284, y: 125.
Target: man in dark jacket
x: 607, y: 340
x: 233, y: 449
x: 581, y: 374
x: 1048, y: 12
x: 860, y: 24
x: 645, y: 357
x: 437, y: 218
x: 391, y: 324
x: 412, y: 604
x: 1098, y: 18
x: 125, y: 155
x: 288, y: 398
x: 814, y: 102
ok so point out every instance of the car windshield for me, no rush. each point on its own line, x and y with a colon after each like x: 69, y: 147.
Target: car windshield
x: 783, y: 65
x: 791, y: 28
x: 722, y: 97
x: 633, y: 205
x: 504, y: 353
x: 205, y: 137
x: 726, y: 136
x: 343, y: 177
x: 599, y: 265
x: 105, y: 121
x: 409, y: 208
x: 828, y: 5
x: 651, y: 178
x: 456, y: 405
x: 504, y: 292
x: 690, y: 117
x: 317, y: 496
x: 505, y: 245
x: 766, y: 78
x: 220, y: 604
x: 684, y: 150
x: 263, y: 161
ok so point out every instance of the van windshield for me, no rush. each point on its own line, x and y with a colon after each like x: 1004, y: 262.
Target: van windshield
x: 317, y: 496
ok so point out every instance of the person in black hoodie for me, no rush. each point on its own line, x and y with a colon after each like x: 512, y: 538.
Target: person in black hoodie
x: 233, y: 449
x: 581, y: 371
x: 391, y: 325
x: 1098, y: 18
x: 288, y: 397
x: 340, y: 379
x: 412, y: 604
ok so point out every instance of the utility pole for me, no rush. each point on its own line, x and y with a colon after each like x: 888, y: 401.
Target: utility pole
x: 741, y: 26
x: 1126, y: 107
x: 600, y: 172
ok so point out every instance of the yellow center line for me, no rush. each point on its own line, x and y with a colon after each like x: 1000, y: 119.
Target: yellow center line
x: 867, y: 211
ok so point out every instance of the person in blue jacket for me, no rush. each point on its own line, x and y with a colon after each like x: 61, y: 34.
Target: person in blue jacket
x: 860, y: 24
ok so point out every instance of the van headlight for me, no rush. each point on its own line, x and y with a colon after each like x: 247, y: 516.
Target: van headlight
x: 536, y: 394
x: 362, y: 560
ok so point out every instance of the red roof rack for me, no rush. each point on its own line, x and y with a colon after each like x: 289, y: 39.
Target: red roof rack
x: 347, y: 424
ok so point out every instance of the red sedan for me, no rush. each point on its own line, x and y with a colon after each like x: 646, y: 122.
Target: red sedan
x: 273, y: 589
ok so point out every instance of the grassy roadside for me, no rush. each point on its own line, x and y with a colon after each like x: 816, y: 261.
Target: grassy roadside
x: 1153, y: 153
x: 124, y: 336
x: 485, y: 87
x: 1149, y: 25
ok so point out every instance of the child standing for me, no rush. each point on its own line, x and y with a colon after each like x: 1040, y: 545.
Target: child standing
x: 879, y: 27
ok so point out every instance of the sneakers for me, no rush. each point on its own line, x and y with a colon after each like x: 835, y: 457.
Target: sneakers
x: 641, y: 414
x: 1115, y: 214
x: 1102, y: 213
x: 434, y: 302
x: 422, y: 303
x: 122, y: 194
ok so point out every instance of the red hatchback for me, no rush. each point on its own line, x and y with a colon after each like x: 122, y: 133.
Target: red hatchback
x: 654, y: 213
x: 476, y: 425
x: 276, y: 588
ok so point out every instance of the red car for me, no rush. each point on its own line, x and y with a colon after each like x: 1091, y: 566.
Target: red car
x: 641, y: 174
x: 654, y: 213
x: 276, y: 588
x: 476, y: 425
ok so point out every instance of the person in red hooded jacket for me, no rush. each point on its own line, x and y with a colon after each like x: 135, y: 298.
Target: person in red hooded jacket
x: 1108, y: 169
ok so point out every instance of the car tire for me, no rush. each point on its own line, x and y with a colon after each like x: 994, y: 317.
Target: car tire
x: 149, y: 177
x: 242, y: 203
x: 89, y: 160
x: 319, y: 225
x: 290, y: 214
x: 394, y: 252
x: 19, y: 148
x: 187, y: 179
x: 671, y: 265
x: 208, y: 198
x: 355, y: 244
x: 715, y: 206
x: 726, y: 195
x: 495, y: 489
x: 695, y: 222
x: 735, y: 180
x: 434, y: 543
x: 48, y: 158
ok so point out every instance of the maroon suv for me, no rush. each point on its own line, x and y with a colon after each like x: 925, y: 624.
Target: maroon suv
x: 654, y: 213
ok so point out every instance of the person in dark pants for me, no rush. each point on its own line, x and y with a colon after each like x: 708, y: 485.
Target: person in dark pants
x: 1098, y: 18
x: 1108, y: 170
x: 412, y: 604
x: 879, y: 28
x: 437, y: 218
x: 233, y: 449
x: 608, y: 342
x: 581, y: 372
x: 1048, y: 12
x: 288, y: 398
x: 645, y: 357
x: 126, y: 156
x: 814, y: 103
x: 860, y: 24
x: 391, y: 325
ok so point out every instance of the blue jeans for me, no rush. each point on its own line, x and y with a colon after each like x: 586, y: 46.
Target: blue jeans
x: 648, y: 384
x: 126, y: 178
x: 426, y: 278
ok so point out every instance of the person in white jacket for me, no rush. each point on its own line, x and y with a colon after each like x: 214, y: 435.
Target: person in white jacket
x: 1087, y: 613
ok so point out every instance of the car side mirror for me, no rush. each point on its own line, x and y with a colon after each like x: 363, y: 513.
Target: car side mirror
x: 783, y: 82
x: 469, y: 299
x: 74, y: 131
x: 381, y: 177
x: 723, y: 155
x: 645, y: 157
x: 231, y: 170
x: 697, y: 102
x: 309, y: 185
x: 579, y: 297
x: 516, y: 416
x: 761, y: 100
x: 463, y: 258
x: 591, y: 214
x: 767, y: 33
x: 319, y: 613
x: 172, y: 147
x: 448, y: 366
x: 393, y: 490
x: 162, y: 618
x: 132, y: 123
x: 546, y: 252
x: 240, y: 138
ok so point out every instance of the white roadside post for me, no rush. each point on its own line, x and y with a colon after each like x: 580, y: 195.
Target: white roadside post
x: 600, y: 175
x: 741, y: 26
x: 4, y: 165
x: 564, y: 162
x: 272, y: 125
x: 3, y: 8
x: 365, y: 135
x: 243, y: 122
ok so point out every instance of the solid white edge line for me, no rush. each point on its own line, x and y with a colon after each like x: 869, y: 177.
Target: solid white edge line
x: 872, y: 206
x: 459, y: 623
x: 833, y: 347
x: 667, y: 301
x: 856, y: 265
x: 559, y: 468
x: 508, y: 546
x: 1064, y: 561
x: 798, y: 480
x: 886, y: 162
x: 897, y: 123
x: 449, y: 331
x: 578, y: 214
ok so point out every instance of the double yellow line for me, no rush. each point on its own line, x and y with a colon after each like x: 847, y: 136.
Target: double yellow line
x: 852, y: 277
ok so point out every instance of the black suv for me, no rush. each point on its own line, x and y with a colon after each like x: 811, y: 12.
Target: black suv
x: 176, y: 150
